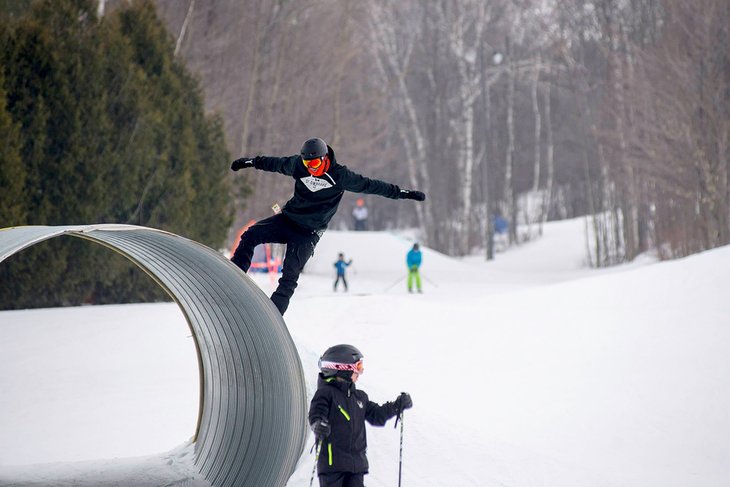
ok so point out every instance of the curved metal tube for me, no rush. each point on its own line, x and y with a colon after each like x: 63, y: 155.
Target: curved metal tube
x: 251, y: 425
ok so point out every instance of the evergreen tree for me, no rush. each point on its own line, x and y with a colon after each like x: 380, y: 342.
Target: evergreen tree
x: 13, y: 202
x: 110, y: 128
x: 178, y: 182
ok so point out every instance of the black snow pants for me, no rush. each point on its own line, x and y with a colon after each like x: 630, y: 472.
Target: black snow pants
x: 300, y: 244
x: 341, y: 479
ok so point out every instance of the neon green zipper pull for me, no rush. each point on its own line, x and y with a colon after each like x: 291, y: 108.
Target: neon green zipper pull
x: 344, y: 413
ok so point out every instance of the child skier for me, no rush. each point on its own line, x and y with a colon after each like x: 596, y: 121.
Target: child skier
x: 341, y: 265
x: 337, y: 416
x: 320, y: 184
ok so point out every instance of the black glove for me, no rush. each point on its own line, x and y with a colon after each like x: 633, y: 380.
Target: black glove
x: 321, y: 429
x: 241, y: 163
x: 411, y: 194
x: 403, y: 402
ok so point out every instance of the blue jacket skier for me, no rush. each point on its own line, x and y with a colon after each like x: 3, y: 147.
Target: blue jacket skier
x: 341, y: 265
x: 413, y: 260
x: 319, y: 185
x: 337, y: 416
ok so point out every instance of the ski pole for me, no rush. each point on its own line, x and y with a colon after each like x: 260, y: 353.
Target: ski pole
x: 393, y: 285
x: 400, y: 460
x: 429, y: 280
x: 316, y: 459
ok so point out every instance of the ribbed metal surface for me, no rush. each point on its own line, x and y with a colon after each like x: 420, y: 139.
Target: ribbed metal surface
x: 252, y: 424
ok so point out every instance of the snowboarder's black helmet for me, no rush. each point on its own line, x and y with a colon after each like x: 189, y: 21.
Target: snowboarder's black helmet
x: 340, y: 360
x: 313, y: 148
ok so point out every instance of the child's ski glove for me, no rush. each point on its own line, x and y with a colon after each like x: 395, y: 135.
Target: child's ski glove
x: 242, y: 162
x: 321, y: 428
x: 403, y: 402
x: 411, y: 194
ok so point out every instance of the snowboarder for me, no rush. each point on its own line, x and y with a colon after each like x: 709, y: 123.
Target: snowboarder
x: 319, y: 185
x: 337, y: 416
x: 341, y: 265
x: 413, y: 260
x: 360, y: 215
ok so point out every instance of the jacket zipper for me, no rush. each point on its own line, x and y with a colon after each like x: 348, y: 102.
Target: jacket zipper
x: 352, y: 427
x: 344, y: 413
x: 329, y: 445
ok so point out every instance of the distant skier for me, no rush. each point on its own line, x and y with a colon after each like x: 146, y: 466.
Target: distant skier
x: 337, y: 416
x: 320, y: 184
x: 341, y: 265
x: 413, y: 260
x: 360, y: 215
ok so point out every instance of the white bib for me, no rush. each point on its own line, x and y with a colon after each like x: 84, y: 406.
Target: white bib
x: 315, y: 184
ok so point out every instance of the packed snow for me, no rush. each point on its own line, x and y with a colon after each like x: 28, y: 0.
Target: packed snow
x: 529, y: 370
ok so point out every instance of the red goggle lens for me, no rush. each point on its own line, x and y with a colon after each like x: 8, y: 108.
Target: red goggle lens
x: 313, y: 163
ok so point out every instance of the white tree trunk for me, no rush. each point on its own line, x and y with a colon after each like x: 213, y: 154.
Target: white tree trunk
x: 509, y: 206
x: 184, y: 28
x: 467, y: 163
x: 464, y: 24
x: 538, y: 127
x: 630, y: 216
x: 489, y: 223
x: 549, y: 162
x: 392, y: 58
x: 249, y: 108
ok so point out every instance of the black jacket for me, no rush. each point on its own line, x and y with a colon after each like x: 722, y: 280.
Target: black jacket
x: 316, y: 199
x: 346, y: 408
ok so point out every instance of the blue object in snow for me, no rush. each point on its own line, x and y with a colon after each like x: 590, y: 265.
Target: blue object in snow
x: 500, y: 225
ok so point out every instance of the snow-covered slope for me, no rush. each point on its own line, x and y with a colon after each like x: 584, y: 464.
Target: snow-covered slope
x: 372, y: 253
x: 530, y: 370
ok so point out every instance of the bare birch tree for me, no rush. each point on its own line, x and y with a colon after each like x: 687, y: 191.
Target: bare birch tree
x: 464, y: 24
x: 394, y: 38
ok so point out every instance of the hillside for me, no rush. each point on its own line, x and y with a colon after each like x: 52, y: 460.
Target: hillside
x: 521, y: 374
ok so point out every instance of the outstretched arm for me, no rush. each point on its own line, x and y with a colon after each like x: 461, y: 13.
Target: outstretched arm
x: 283, y: 165
x: 357, y: 183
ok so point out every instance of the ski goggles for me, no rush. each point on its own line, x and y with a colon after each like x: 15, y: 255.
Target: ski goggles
x: 358, y: 366
x: 313, y: 163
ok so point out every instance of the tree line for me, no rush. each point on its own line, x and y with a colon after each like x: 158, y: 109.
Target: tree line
x: 530, y: 110
x: 100, y: 123
x: 616, y: 110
